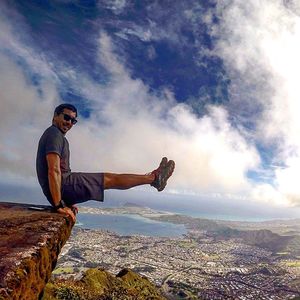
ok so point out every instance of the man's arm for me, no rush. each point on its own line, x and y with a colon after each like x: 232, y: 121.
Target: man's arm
x: 54, y: 177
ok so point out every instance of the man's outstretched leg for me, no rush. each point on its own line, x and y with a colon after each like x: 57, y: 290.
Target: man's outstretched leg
x: 157, y: 178
x: 126, y: 181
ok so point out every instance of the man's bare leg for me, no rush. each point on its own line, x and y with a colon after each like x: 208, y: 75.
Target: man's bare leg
x: 157, y: 178
x: 126, y: 181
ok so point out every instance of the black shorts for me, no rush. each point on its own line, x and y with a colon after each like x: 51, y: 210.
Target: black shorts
x: 81, y: 187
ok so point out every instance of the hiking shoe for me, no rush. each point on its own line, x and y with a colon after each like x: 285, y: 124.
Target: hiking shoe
x: 162, y: 174
x: 162, y: 164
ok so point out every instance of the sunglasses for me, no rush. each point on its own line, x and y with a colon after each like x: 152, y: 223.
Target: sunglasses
x: 68, y: 118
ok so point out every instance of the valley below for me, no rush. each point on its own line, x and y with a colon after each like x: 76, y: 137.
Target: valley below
x: 214, y: 259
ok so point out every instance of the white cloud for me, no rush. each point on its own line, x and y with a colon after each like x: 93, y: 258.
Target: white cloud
x: 140, y: 128
x: 117, y: 6
x: 13, y: 44
x: 22, y: 114
x: 259, y: 42
x: 25, y: 108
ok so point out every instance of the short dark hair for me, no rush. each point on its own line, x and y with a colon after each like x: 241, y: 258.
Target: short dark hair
x: 60, y: 108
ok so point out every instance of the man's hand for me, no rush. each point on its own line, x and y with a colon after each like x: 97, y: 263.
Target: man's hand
x: 67, y: 211
x: 74, y: 209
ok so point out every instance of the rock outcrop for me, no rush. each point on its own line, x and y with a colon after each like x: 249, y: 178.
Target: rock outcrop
x: 98, y: 284
x: 31, y: 238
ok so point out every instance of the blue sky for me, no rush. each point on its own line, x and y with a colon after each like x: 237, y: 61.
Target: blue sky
x: 213, y: 86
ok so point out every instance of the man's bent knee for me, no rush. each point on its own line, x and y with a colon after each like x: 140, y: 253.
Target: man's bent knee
x: 108, y: 180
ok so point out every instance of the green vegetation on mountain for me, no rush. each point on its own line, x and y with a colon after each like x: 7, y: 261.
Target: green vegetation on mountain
x: 261, y: 238
x: 189, y: 222
x: 98, y: 284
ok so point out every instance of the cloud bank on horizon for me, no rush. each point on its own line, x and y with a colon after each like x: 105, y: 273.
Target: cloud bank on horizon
x: 243, y: 148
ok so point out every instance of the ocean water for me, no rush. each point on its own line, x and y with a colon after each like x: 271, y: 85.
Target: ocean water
x: 130, y: 225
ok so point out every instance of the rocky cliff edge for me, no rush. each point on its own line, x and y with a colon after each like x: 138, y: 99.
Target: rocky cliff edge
x: 31, y: 238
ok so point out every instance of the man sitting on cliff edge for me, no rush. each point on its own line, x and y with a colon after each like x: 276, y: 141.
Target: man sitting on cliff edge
x: 64, y: 188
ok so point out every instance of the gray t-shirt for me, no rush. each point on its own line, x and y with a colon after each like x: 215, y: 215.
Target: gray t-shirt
x: 52, y: 141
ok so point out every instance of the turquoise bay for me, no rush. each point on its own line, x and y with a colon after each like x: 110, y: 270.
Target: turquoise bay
x: 129, y: 224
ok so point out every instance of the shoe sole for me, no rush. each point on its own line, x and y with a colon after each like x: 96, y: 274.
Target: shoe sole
x: 163, y: 182
x: 162, y: 164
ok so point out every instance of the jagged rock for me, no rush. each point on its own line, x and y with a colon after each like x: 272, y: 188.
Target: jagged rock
x: 98, y: 284
x: 31, y: 238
